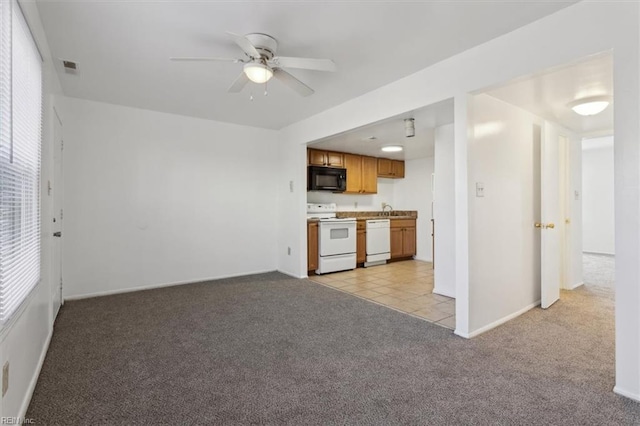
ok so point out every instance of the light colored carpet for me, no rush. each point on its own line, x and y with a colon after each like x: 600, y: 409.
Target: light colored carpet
x: 270, y: 349
x: 599, y: 270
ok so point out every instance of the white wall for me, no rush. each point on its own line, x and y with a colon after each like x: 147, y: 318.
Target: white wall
x: 353, y: 202
x: 25, y: 338
x: 414, y: 193
x: 444, y: 212
x: 598, y: 230
x: 154, y: 199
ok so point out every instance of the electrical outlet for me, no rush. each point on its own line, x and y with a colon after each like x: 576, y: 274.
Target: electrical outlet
x: 355, y: 204
x: 290, y: 186
x: 289, y: 251
x: 479, y: 189
x: 5, y: 378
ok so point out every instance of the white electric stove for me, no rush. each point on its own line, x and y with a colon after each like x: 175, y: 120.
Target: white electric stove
x: 336, y: 238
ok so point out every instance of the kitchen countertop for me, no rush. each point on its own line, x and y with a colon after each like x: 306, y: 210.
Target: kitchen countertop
x: 363, y: 215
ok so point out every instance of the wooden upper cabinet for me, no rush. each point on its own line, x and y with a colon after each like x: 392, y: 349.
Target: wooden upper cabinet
x: 369, y: 175
x: 353, y: 164
x: 362, y: 175
x: 390, y: 168
x: 316, y: 157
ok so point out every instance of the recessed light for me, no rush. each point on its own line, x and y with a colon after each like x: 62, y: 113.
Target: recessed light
x: 392, y: 148
x: 590, y: 106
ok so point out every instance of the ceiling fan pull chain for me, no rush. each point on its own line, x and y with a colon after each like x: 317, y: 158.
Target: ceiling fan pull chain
x: 265, y: 88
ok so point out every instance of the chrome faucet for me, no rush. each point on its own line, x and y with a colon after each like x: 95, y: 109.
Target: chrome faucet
x: 384, y: 206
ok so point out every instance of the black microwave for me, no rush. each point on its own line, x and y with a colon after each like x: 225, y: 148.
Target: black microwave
x: 327, y: 179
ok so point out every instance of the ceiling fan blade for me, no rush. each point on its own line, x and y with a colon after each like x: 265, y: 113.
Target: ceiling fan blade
x: 292, y: 82
x: 203, y: 59
x: 245, y: 45
x: 304, y: 63
x: 239, y: 83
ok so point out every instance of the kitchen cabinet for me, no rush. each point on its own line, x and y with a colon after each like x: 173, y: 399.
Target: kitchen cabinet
x: 390, y: 168
x: 362, y: 176
x: 361, y: 241
x: 312, y: 246
x: 403, y: 238
x: 316, y: 157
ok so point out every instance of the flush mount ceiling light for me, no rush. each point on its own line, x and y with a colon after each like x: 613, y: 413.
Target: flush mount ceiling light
x: 590, y: 106
x: 257, y: 72
x: 392, y: 148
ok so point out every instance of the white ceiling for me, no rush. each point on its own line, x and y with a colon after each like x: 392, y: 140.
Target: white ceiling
x: 122, y: 48
x: 392, y: 132
x: 548, y: 94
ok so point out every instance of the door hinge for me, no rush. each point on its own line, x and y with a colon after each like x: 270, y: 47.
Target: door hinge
x: 61, y: 214
x: 62, y: 145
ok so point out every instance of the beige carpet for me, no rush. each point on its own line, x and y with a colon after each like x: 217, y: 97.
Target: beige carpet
x: 269, y: 349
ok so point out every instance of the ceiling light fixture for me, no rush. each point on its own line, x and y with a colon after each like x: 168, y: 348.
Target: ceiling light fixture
x: 590, y: 106
x: 257, y: 72
x: 392, y: 148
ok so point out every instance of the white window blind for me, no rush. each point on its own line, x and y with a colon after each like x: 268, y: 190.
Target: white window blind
x: 20, y: 140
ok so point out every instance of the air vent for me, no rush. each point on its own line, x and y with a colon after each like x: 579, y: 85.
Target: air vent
x: 70, y: 67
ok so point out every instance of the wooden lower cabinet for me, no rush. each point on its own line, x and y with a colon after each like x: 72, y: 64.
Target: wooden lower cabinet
x: 361, y: 242
x: 312, y: 246
x: 403, y: 238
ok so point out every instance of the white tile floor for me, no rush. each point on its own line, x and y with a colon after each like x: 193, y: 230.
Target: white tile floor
x: 406, y: 286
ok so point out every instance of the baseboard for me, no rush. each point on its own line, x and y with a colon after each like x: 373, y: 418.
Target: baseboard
x: 423, y: 259
x: 291, y: 274
x: 605, y: 253
x: 576, y: 285
x: 498, y: 322
x: 630, y: 395
x: 444, y: 293
x: 152, y: 286
x: 34, y: 380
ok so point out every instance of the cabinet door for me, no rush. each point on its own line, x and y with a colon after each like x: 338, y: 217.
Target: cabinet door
x: 317, y: 158
x: 353, y: 164
x: 335, y: 159
x: 409, y: 242
x: 312, y: 246
x: 385, y: 167
x: 370, y: 175
x: 398, y: 169
x: 396, y: 242
x: 361, y: 246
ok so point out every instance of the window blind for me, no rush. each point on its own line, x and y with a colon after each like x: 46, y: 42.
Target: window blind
x: 20, y: 141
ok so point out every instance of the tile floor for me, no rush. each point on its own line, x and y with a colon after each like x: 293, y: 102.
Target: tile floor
x: 405, y: 286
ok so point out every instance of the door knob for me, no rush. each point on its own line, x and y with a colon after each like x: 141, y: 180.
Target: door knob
x: 538, y: 225
x: 551, y: 225
x: 57, y: 234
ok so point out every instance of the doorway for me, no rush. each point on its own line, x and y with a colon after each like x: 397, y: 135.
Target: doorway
x: 56, y: 189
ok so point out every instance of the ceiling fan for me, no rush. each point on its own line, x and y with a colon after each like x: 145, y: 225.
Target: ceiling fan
x: 261, y: 63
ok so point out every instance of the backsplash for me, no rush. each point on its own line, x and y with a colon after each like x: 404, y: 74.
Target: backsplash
x: 356, y: 214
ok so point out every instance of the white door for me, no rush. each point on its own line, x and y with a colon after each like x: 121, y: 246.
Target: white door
x: 550, y: 217
x: 56, y: 193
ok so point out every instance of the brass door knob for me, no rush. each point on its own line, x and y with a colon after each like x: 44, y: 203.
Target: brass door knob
x: 551, y: 225
x: 538, y: 225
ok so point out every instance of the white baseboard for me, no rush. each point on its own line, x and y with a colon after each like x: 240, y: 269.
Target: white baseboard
x: 152, y: 286
x: 423, y: 259
x: 576, y: 285
x: 291, y: 274
x: 606, y: 253
x: 630, y: 395
x: 439, y: 291
x: 34, y: 379
x: 497, y: 322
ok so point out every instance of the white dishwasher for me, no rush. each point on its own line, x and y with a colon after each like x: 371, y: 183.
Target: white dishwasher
x: 378, y: 242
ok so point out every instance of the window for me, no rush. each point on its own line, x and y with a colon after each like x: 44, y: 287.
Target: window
x: 20, y: 140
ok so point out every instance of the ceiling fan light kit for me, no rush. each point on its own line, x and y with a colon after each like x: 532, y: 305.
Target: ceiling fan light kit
x: 590, y: 106
x: 257, y: 72
x: 261, y: 63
